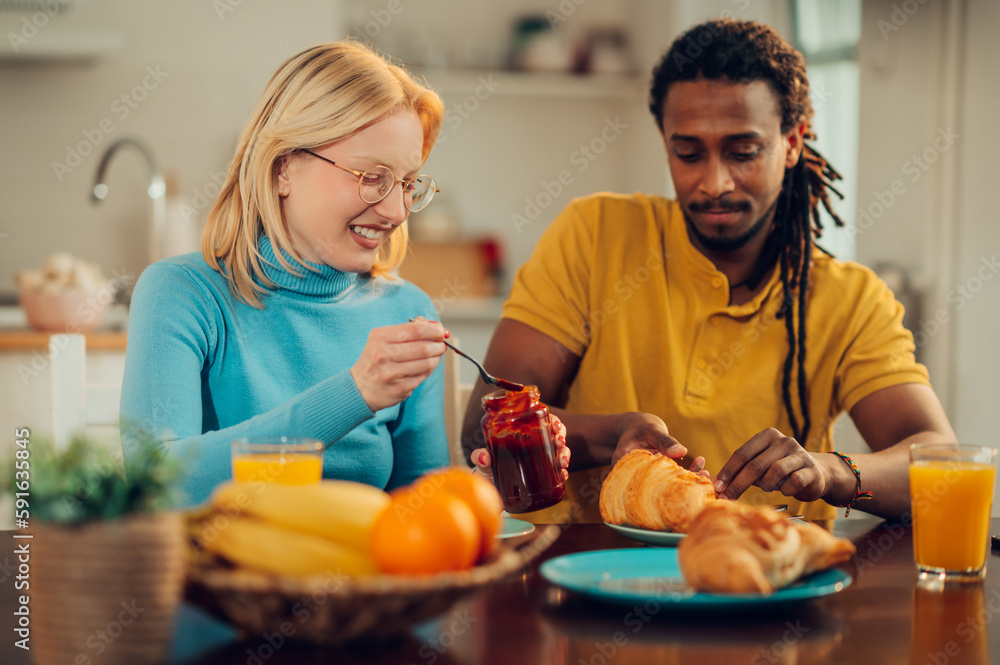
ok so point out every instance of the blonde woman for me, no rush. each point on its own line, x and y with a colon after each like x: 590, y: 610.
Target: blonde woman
x: 288, y: 322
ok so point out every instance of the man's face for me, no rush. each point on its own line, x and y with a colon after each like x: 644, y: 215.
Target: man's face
x: 727, y: 157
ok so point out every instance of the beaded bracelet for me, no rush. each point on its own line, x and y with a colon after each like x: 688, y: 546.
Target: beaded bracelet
x: 858, y: 494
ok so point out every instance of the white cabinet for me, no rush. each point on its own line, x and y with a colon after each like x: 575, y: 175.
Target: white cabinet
x: 26, y: 391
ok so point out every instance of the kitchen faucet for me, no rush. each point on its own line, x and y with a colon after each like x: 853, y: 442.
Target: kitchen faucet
x: 156, y: 191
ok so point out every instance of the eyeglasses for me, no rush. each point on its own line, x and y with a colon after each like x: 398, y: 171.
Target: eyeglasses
x: 376, y: 183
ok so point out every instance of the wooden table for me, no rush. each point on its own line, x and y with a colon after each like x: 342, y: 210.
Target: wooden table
x: 881, y: 618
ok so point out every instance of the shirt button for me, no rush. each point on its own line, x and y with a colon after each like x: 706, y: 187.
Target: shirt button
x: 717, y: 282
x: 714, y: 320
x: 701, y: 363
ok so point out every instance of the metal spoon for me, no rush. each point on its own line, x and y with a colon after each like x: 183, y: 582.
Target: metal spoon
x: 487, y: 377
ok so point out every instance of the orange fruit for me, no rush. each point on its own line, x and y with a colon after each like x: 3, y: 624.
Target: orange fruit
x: 419, y: 534
x: 477, y: 493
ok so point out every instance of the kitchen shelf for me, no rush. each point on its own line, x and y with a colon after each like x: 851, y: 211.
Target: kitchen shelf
x: 14, y: 340
x: 58, y: 44
x: 530, y: 84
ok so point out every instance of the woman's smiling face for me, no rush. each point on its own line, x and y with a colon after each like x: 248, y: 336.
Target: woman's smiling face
x: 324, y: 215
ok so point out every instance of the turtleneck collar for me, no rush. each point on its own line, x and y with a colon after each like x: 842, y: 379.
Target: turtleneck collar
x: 323, y: 281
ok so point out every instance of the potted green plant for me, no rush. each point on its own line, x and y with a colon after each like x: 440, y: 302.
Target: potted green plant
x: 107, y: 556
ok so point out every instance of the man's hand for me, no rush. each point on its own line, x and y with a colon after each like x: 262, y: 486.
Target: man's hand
x: 774, y: 462
x: 484, y: 465
x: 645, y: 431
x: 396, y: 359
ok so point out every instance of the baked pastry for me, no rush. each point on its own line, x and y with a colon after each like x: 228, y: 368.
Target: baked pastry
x: 737, y: 548
x: 651, y: 491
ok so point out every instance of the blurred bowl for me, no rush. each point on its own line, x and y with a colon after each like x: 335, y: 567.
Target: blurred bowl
x: 67, y: 312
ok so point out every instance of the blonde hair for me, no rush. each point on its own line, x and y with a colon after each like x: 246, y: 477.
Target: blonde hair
x: 322, y: 95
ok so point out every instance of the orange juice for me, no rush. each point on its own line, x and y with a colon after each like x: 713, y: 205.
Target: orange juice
x: 284, y: 468
x: 951, y: 504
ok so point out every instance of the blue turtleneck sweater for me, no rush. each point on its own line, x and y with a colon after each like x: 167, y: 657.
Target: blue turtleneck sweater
x: 203, y: 368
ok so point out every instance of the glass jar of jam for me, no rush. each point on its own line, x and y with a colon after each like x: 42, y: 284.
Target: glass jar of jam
x: 526, y: 467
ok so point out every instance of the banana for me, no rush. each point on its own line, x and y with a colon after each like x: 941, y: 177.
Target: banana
x: 270, y: 548
x: 340, y: 511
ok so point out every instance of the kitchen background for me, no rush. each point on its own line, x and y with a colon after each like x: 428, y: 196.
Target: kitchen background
x: 546, y: 101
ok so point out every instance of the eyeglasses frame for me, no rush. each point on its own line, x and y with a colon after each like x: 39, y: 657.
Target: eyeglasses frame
x: 361, y: 174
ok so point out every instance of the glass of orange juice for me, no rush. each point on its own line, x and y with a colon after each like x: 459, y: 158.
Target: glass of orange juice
x: 951, y: 495
x: 285, y: 460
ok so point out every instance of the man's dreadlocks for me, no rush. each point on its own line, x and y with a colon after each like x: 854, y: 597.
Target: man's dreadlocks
x: 741, y: 52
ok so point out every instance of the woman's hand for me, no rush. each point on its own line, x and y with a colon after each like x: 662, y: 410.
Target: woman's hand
x: 481, y: 457
x: 396, y: 359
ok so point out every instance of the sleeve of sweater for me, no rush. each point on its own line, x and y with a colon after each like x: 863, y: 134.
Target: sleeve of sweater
x: 173, y: 334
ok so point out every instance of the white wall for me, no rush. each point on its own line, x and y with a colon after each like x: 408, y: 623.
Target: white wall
x: 215, y: 64
x: 929, y: 99
x: 212, y: 67
x: 977, y: 362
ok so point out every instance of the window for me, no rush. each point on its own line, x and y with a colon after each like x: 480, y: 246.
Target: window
x: 828, y: 33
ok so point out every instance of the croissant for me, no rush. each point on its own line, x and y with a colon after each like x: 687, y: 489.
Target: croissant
x: 736, y: 548
x: 651, y: 491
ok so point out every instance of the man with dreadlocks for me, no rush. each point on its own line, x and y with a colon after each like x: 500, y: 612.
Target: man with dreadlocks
x: 715, y: 320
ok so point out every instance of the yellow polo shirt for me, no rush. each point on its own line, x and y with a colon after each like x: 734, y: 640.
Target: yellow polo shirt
x: 616, y: 280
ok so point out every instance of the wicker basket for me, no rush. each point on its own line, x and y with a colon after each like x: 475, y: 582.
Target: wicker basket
x: 329, y: 611
x: 106, y: 591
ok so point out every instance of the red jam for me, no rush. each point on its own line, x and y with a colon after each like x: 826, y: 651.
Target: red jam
x: 525, y: 462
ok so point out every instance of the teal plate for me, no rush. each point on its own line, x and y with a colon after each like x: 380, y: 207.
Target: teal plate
x: 511, y: 527
x: 658, y: 538
x: 640, y: 575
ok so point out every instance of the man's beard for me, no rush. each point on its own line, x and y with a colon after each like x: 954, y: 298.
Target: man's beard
x: 725, y: 243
